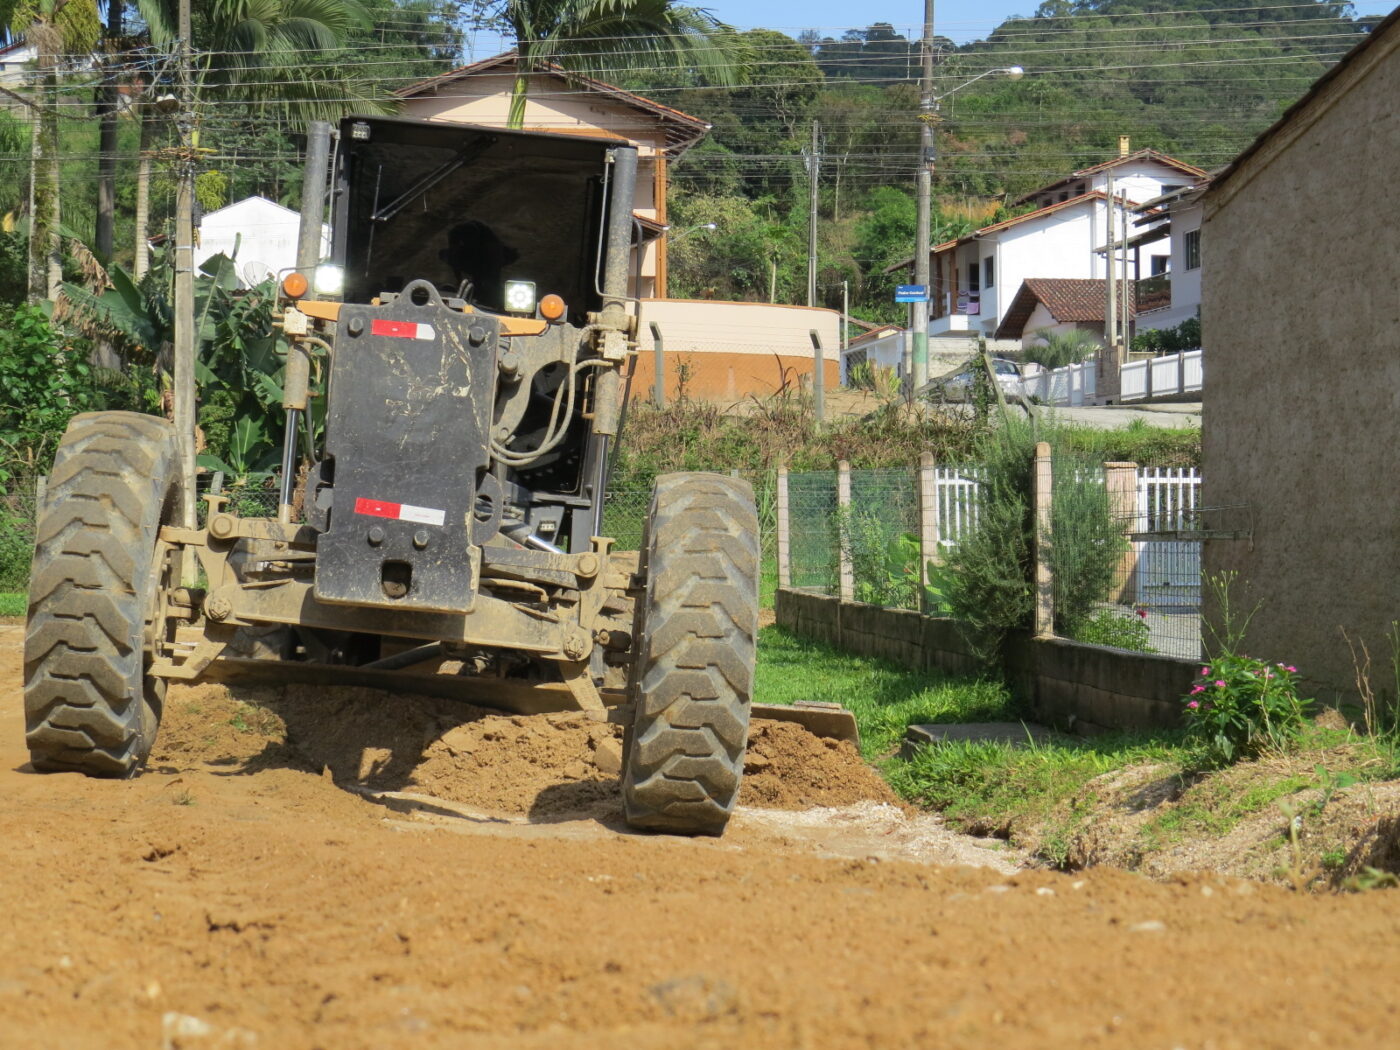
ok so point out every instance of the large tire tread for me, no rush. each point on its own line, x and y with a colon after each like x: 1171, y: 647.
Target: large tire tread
x: 694, y: 679
x: 90, y: 706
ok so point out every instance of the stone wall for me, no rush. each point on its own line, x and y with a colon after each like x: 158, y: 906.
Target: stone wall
x: 1069, y: 684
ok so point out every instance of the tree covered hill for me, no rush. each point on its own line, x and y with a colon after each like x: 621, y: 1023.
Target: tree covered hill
x: 1197, y: 79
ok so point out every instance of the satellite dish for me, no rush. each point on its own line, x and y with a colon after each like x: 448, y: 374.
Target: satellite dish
x: 254, y: 273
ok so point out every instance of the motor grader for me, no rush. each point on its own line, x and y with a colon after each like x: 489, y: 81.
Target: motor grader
x: 440, y: 516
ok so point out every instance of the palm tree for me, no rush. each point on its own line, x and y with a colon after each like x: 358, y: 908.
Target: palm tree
x: 54, y: 27
x: 602, y: 36
x: 1057, y: 349
x: 264, y: 53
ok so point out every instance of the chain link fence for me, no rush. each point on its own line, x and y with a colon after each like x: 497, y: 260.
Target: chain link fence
x: 1124, y: 558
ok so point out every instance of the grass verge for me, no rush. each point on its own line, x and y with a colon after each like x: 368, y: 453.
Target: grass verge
x: 12, y: 603
x: 1120, y: 798
x: 885, y: 698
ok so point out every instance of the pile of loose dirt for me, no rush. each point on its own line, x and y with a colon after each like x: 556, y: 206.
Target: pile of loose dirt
x: 788, y: 768
x: 544, y: 766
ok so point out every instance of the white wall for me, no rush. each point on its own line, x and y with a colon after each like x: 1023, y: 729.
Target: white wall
x: 1185, y: 284
x: 264, y: 233
x: 1141, y: 180
x: 1060, y: 245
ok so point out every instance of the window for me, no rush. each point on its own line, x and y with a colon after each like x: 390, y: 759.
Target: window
x: 1159, y: 264
x: 989, y: 272
x: 974, y: 283
x: 1193, y: 249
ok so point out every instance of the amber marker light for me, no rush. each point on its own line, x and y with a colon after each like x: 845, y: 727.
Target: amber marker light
x: 294, y: 285
x: 552, y: 307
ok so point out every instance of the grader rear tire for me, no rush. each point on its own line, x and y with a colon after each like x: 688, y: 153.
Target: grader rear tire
x: 693, y: 681
x: 90, y: 706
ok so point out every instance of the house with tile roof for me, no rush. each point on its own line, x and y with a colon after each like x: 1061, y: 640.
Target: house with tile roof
x: 1055, y: 305
x: 573, y: 104
x: 1140, y: 176
x: 975, y: 278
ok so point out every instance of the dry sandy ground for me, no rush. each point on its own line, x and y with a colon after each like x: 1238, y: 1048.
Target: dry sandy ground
x: 236, y: 896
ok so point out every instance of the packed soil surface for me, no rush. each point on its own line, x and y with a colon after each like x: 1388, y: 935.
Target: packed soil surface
x: 309, y: 868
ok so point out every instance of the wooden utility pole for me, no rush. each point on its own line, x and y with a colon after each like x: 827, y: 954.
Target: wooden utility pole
x: 185, y: 335
x: 815, y: 172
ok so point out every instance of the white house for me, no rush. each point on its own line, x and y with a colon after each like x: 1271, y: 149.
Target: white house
x: 1140, y: 176
x: 882, y: 347
x: 1173, y: 295
x: 1056, y: 305
x: 975, y: 279
x: 258, y: 234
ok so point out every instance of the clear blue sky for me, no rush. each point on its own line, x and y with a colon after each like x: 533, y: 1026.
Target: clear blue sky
x: 959, y: 20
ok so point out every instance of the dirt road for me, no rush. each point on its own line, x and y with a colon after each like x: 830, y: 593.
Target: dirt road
x: 237, y: 896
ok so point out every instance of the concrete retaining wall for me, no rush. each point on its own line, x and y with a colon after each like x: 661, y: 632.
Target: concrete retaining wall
x: 1070, y: 684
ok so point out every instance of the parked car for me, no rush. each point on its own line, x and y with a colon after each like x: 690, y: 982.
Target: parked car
x: 957, y: 386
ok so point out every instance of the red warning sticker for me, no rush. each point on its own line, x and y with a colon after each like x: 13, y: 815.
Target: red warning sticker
x: 402, y: 330
x: 378, y: 508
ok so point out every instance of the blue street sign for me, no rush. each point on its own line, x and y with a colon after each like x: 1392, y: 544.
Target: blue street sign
x: 911, y: 293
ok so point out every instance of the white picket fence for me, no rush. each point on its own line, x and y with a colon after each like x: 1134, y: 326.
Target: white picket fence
x: 1072, y: 385
x: 1162, y: 376
x: 958, y: 498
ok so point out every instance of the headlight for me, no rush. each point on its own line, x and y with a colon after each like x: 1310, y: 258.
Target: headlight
x: 520, y: 297
x: 330, y: 279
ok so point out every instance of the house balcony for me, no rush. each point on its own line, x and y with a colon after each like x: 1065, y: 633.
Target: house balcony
x: 954, y: 324
x: 963, y: 316
x: 1154, y: 293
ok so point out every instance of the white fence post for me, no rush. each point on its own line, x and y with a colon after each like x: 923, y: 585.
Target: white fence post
x: 784, y: 536
x: 846, y: 586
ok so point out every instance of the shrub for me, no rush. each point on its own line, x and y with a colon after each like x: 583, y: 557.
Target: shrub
x: 1086, y: 541
x: 1112, y: 628
x: 989, y: 575
x: 1241, y: 706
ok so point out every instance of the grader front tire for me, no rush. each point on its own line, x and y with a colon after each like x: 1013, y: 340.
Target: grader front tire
x: 693, y: 682
x: 89, y: 704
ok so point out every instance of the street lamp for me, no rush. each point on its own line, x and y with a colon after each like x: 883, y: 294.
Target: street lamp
x: 928, y: 107
x: 672, y: 238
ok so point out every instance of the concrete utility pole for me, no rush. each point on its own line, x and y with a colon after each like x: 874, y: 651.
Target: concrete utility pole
x: 1110, y: 318
x: 1125, y: 314
x: 184, y: 349
x: 812, y: 217
x: 927, y: 158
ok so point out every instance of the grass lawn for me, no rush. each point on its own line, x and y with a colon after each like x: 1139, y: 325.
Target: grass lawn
x: 12, y: 603
x: 885, y: 698
x: 1000, y: 787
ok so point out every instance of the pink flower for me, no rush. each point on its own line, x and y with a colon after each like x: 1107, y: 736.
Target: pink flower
x: 1198, y: 689
x: 1268, y: 673
x: 1194, y: 704
x: 1205, y: 672
x: 1220, y: 682
x: 1142, y: 613
x: 1291, y: 669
